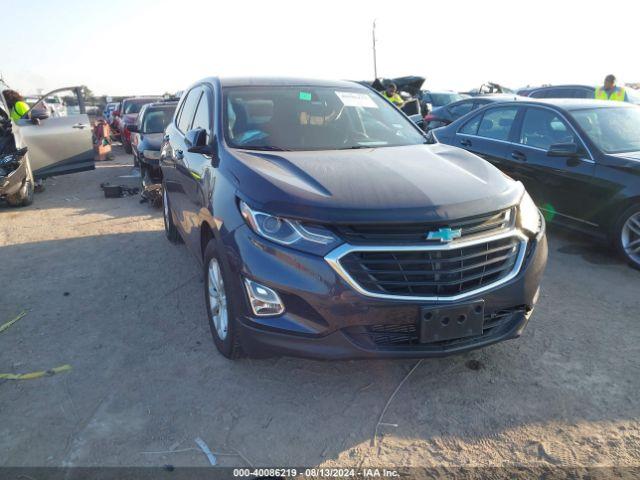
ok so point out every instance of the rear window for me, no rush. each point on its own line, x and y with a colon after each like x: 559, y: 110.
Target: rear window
x: 441, y: 99
x: 156, y: 119
x: 460, y: 109
x: 134, y: 106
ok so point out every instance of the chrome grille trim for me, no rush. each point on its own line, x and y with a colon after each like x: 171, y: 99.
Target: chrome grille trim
x: 333, y: 258
x: 410, y: 233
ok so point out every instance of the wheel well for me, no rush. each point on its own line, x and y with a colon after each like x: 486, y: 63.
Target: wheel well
x: 206, y: 235
x: 622, y: 207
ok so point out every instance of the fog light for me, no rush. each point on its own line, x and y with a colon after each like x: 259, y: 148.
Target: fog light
x: 264, y: 301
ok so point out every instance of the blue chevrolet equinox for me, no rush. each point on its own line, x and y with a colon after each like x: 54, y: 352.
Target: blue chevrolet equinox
x: 327, y: 228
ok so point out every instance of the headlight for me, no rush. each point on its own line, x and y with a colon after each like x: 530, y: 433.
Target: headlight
x: 529, y: 218
x: 151, y: 154
x: 288, y: 232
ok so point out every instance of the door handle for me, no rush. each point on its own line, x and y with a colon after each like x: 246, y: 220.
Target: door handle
x: 516, y: 155
x: 465, y: 143
x: 79, y: 125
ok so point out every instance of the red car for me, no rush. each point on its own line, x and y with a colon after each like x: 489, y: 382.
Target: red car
x: 128, y: 115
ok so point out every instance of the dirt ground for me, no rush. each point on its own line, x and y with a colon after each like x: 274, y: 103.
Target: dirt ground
x: 106, y: 293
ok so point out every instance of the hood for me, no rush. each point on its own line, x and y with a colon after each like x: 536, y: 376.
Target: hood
x: 627, y: 161
x: 151, y: 141
x: 633, y: 156
x: 417, y: 183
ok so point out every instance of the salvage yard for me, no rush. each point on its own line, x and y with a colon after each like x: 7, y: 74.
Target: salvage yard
x: 106, y: 293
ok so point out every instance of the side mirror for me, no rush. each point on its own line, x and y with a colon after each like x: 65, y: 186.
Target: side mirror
x: 39, y: 114
x: 133, y: 128
x: 563, y: 150
x: 197, y: 141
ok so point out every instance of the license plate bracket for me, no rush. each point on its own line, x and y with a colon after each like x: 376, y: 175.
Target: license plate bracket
x: 445, y: 322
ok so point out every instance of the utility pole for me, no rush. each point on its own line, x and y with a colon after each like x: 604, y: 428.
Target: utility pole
x: 375, y: 63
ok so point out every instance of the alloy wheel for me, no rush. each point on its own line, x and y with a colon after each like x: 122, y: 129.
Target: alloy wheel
x: 631, y: 237
x: 217, y: 300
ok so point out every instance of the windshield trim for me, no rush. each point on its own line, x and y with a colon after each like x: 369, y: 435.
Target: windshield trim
x: 352, y: 88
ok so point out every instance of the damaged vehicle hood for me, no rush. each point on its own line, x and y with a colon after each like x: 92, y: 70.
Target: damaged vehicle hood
x: 415, y: 183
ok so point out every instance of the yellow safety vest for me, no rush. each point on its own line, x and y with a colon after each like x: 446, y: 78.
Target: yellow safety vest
x: 395, y: 98
x: 18, y: 110
x: 617, y: 95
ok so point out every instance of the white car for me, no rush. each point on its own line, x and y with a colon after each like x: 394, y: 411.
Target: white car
x: 55, y: 145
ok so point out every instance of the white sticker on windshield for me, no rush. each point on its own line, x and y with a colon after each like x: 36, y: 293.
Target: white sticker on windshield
x: 355, y: 99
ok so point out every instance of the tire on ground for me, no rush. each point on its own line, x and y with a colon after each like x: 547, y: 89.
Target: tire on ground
x: 170, y: 229
x: 230, y: 346
x: 618, y: 234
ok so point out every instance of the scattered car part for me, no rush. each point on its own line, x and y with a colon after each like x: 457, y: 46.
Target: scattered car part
x: 117, y: 191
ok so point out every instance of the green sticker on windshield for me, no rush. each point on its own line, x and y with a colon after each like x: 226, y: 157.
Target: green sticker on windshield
x: 306, y: 96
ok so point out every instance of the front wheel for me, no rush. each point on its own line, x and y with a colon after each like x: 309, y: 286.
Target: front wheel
x: 628, y: 236
x: 220, y: 312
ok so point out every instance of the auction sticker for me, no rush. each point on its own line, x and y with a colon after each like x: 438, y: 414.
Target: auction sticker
x: 355, y: 99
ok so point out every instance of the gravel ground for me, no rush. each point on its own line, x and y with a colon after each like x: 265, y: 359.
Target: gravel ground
x: 106, y: 293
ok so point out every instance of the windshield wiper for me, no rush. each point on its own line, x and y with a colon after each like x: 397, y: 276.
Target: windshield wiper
x: 268, y: 148
x: 357, y: 147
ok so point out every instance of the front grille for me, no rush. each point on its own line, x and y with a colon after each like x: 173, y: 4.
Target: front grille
x: 444, y: 272
x: 403, y: 335
x: 412, y: 233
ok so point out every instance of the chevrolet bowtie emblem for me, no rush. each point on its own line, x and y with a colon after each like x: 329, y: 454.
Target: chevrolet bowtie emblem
x: 445, y: 235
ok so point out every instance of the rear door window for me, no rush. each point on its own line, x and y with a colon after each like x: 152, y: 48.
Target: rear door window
x: 496, y: 123
x: 471, y: 127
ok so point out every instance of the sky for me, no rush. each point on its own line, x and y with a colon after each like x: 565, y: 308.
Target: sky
x: 150, y: 47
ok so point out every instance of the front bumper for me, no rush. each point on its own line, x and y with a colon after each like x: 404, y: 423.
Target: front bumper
x: 13, y: 182
x: 327, y: 318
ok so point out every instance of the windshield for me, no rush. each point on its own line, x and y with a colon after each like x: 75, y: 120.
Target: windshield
x: 156, y: 119
x: 612, y: 129
x: 313, y: 118
x: 440, y: 99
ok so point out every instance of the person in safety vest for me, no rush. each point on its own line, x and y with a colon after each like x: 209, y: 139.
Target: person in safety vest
x: 391, y: 94
x: 610, y: 91
x: 17, y: 106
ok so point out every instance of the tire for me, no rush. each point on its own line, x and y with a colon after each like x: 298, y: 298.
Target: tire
x: 170, y: 229
x: 127, y: 147
x: 223, y: 325
x: 627, y: 236
x: 24, y: 196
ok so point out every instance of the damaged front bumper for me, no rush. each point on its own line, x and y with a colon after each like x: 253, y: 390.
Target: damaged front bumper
x: 12, y: 178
